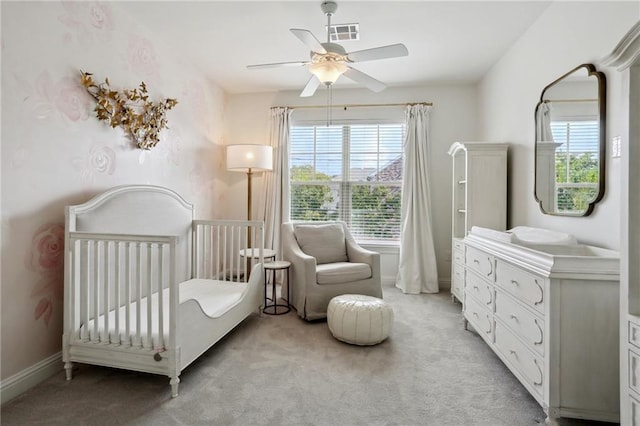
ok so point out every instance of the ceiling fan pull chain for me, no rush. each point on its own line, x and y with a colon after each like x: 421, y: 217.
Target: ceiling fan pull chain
x: 328, y: 106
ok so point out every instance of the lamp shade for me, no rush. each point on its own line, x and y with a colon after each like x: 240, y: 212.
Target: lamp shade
x: 246, y: 158
x: 328, y: 71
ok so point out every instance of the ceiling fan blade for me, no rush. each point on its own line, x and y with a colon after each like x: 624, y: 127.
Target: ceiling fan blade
x: 383, y: 52
x: 278, y: 64
x: 309, y: 39
x: 311, y: 87
x: 364, y: 79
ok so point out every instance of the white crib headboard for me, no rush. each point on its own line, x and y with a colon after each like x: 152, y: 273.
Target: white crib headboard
x: 139, y: 210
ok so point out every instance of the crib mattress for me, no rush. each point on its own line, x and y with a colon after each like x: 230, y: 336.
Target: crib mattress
x: 214, y: 297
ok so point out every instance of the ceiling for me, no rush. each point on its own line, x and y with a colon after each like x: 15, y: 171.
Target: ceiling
x: 448, y: 41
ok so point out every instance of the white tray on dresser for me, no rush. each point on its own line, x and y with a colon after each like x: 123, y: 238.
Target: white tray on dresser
x: 551, y: 313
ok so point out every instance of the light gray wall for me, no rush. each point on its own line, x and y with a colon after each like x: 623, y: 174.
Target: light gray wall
x: 566, y: 35
x: 453, y: 118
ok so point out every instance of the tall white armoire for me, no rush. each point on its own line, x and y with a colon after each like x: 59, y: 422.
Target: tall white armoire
x: 479, y: 198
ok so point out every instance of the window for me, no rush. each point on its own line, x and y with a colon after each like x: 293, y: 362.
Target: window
x: 351, y: 173
x: 577, y: 165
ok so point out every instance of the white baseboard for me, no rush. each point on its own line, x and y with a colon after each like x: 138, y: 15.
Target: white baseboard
x: 29, y: 377
x: 445, y: 284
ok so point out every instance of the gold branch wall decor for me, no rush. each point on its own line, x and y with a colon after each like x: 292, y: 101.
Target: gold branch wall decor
x: 141, y: 118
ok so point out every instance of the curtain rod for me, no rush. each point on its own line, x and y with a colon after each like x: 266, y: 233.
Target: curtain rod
x: 570, y: 100
x: 352, y: 105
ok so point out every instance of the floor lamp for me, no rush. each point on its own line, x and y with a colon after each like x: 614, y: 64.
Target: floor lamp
x: 249, y: 159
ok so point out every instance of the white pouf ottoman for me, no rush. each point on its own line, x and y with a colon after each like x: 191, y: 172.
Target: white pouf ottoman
x: 359, y: 319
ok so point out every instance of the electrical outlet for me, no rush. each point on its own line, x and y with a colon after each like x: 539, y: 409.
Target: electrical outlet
x: 616, y: 147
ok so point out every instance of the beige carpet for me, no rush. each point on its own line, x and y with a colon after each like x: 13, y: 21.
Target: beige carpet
x: 281, y: 370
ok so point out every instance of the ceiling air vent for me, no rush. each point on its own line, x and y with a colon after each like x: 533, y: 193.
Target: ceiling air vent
x: 343, y: 32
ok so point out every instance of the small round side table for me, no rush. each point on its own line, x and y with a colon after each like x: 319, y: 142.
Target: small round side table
x: 254, y: 253
x: 274, y: 267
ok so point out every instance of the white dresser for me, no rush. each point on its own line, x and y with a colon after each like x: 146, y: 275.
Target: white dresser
x: 551, y: 315
x: 632, y: 393
x: 479, y: 198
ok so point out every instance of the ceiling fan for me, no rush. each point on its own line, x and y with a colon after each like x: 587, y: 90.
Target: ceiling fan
x: 330, y: 60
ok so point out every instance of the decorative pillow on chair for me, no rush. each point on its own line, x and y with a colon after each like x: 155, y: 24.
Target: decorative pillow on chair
x: 325, y: 242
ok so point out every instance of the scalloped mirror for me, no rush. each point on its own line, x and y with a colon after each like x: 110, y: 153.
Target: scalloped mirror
x: 570, y: 143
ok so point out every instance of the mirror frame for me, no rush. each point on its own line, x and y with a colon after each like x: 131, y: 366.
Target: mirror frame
x: 602, y: 114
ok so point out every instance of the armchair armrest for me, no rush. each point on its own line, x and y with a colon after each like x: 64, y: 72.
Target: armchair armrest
x: 359, y: 254
x: 303, y: 266
x: 297, y: 256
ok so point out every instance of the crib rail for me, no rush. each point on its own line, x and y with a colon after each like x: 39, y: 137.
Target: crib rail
x: 227, y: 249
x: 123, y: 289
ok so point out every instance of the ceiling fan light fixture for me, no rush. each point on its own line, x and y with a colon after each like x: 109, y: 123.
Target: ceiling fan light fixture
x: 327, y: 71
x: 328, y: 61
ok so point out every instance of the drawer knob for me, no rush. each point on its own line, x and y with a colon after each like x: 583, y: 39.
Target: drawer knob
x: 514, y: 282
x: 514, y: 353
x: 513, y: 317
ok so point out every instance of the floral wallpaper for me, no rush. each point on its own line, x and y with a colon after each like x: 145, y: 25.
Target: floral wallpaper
x: 56, y: 153
x: 46, y: 258
x: 86, y: 21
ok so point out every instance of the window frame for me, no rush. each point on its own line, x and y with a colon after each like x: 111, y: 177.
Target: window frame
x: 346, y: 184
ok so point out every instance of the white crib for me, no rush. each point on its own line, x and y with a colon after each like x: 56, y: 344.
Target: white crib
x: 147, y: 287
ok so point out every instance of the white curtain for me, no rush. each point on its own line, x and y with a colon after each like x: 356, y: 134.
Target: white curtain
x: 276, y: 194
x: 417, y: 271
x: 543, y: 123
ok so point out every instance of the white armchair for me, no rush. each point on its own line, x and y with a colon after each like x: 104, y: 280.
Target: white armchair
x: 326, y: 261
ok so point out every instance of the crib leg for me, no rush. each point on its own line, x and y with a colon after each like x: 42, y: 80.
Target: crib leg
x: 174, y: 386
x: 67, y: 368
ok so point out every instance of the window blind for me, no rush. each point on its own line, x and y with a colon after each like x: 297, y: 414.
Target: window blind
x: 351, y: 173
x: 577, y: 165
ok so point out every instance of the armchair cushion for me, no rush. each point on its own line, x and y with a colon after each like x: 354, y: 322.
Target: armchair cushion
x: 325, y: 242
x: 342, y: 272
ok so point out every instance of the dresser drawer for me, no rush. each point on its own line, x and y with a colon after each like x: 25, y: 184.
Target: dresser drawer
x: 457, y: 289
x: 520, y: 359
x: 634, y: 371
x: 480, y: 262
x: 479, y: 317
x: 458, y: 257
x: 524, y: 323
x: 480, y: 290
x: 634, y: 335
x: 634, y: 408
x: 458, y: 272
x: 524, y: 286
x: 457, y: 280
x: 458, y: 245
